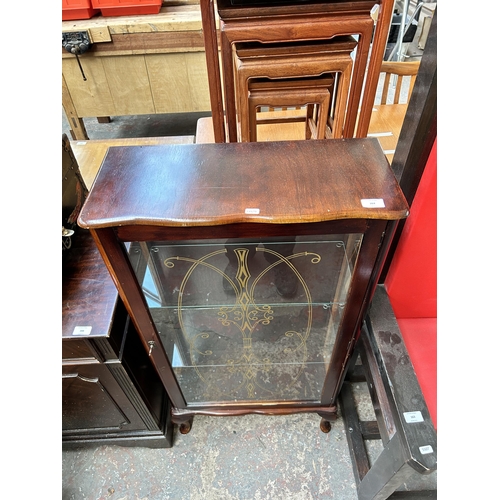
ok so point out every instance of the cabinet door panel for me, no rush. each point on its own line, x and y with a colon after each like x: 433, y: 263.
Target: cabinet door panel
x: 93, y: 401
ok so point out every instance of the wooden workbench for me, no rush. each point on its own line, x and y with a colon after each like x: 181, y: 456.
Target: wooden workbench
x: 136, y: 65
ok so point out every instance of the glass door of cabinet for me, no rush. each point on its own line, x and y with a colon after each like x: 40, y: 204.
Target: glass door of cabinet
x: 248, y: 321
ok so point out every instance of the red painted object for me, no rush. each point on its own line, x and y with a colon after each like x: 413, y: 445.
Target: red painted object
x: 411, y: 283
x: 127, y: 7
x: 420, y: 337
x: 77, y: 9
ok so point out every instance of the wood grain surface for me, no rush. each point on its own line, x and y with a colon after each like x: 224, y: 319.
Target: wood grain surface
x: 269, y: 182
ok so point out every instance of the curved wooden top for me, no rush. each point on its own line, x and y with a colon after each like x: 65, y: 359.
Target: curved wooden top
x: 264, y: 182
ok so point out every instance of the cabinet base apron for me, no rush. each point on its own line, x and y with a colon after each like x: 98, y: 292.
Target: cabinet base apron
x: 183, y: 417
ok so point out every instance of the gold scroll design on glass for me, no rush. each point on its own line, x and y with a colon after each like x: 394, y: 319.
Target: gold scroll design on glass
x: 246, y: 315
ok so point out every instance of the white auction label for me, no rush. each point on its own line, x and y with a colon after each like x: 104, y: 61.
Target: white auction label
x: 253, y: 211
x: 82, y: 330
x: 373, y: 203
x: 426, y: 449
x: 413, y: 416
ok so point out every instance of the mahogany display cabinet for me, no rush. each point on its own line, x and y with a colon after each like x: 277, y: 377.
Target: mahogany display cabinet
x: 246, y: 268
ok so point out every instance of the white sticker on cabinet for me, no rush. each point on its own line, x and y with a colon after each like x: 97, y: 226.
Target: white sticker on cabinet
x: 82, y: 330
x: 373, y: 203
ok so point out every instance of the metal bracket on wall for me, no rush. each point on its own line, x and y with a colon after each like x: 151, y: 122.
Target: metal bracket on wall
x: 77, y: 42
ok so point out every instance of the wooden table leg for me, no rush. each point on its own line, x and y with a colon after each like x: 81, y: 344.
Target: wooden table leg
x: 214, y: 76
x: 229, y: 91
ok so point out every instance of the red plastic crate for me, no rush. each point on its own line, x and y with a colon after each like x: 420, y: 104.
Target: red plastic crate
x: 127, y: 7
x: 77, y: 9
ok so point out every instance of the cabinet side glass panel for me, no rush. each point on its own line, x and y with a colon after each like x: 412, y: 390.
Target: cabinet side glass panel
x: 245, y: 320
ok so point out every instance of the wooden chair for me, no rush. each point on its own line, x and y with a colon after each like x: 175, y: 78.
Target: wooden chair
x: 394, y: 89
x: 394, y: 72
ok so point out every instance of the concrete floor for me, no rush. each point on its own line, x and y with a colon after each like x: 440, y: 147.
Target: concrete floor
x: 251, y: 457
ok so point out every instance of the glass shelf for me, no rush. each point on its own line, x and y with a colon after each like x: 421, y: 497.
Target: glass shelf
x: 246, y: 320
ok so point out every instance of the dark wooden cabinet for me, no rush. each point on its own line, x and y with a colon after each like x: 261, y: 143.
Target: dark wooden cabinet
x: 247, y: 268
x: 111, y: 393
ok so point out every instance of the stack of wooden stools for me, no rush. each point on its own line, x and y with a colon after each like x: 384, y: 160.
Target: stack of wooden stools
x: 315, y: 94
x: 289, y: 71
x: 289, y: 44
